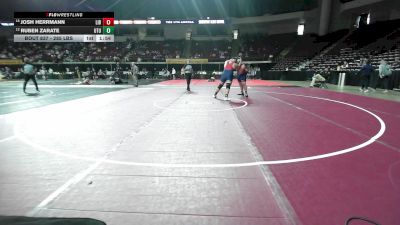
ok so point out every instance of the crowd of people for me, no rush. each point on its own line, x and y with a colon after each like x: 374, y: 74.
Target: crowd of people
x: 370, y: 75
x: 250, y: 48
x: 88, y: 77
x: 66, y: 52
x: 92, y: 52
x: 140, y: 51
x: 367, y: 73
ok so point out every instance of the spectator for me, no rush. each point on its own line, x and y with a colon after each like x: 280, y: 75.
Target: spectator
x: 173, y: 73
x: 366, y: 72
x: 318, y: 79
x: 135, y: 73
x: 2, y: 76
x: 43, y: 73
x: 188, y: 74
x: 384, y: 73
x: 101, y: 74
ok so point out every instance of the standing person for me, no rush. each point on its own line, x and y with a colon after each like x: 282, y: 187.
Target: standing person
x: 173, y: 72
x: 188, y: 74
x: 384, y: 73
x: 366, y: 72
x: 93, y: 74
x: 78, y: 72
x: 182, y: 72
x: 226, y: 77
x: 242, y: 77
x: 135, y: 72
x: 43, y: 73
x: 29, y: 73
x: 101, y: 74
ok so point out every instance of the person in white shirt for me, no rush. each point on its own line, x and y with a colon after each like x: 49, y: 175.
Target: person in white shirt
x: 183, y: 72
x: 384, y: 73
x: 173, y: 72
x: 135, y: 72
x: 50, y: 72
x: 101, y: 74
x: 42, y: 72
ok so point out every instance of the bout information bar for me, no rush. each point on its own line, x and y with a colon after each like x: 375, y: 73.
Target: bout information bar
x: 64, y: 27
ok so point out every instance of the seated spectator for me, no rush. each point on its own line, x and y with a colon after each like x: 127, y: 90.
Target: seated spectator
x: 101, y: 74
x: 318, y: 81
x: 8, y: 73
x: 85, y: 81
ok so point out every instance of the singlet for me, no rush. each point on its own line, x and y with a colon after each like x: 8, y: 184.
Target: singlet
x: 229, y: 66
x: 242, y: 69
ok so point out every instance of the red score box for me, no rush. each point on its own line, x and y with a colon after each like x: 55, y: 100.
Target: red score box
x: 108, y: 21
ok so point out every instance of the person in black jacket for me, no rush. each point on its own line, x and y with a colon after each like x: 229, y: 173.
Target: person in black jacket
x: 366, y: 72
x: 188, y: 74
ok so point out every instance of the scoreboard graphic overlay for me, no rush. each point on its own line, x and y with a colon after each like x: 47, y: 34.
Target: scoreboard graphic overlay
x: 64, y: 27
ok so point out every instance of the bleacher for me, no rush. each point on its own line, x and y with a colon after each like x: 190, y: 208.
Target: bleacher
x: 304, y: 49
x: 375, y: 42
x: 261, y: 47
x: 212, y: 50
x: 289, y: 51
x: 371, y: 34
x: 387, y: 47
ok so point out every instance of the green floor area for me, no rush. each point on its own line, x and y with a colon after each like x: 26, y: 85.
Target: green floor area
x: 12, y: 98
x: 75, y: 82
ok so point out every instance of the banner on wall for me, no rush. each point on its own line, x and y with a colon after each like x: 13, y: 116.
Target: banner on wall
x: 185, y: 61
x: 11, y: 62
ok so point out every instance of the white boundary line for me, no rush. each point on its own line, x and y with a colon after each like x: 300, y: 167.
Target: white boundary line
x: 155, y: 104
x: 229, y: 165
x: 8, y: 138
x: 19, y: 101
x: 9, y: 96
x: 29, y: 100
x: 74, y: 180
x: 85, y: 86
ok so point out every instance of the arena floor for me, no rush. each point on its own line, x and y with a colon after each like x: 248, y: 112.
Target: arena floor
x: 159, y: 155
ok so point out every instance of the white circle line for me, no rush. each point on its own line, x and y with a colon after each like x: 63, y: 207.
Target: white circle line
x: 155, y: 104
x: 29, y: 100
x: 7, y: 138
x: 229, y: 165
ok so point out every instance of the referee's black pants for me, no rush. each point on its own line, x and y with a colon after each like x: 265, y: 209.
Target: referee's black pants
x: 27, y: 77
x: 365, y: 82
x: 385, y: 82
x: 188, y: 77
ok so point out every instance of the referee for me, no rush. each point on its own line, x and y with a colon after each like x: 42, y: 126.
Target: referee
x: 135, y: 72
x: 29, y: 73
x: 188, y: 74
